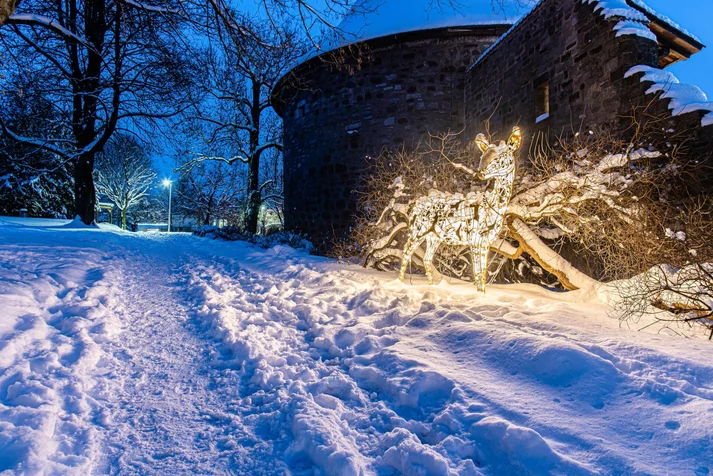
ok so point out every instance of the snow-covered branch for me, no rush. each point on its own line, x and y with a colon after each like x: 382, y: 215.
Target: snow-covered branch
x: 48, y: 23
x: 150, y: 8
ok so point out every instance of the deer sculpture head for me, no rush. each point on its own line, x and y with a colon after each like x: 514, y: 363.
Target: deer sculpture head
x: 498, y: 159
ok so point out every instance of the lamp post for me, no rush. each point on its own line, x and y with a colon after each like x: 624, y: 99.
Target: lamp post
x: 168, y: 183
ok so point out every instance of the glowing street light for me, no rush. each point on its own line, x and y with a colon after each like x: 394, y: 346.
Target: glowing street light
x: 168, y: 183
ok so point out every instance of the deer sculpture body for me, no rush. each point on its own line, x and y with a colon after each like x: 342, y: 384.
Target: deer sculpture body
x: 470, y: 221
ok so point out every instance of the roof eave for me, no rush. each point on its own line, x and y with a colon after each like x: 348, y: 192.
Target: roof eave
x: 684, y: 40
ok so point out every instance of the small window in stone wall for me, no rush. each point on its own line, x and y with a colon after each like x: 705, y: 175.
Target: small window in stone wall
x: 542, y: 101
x: 302, y: 109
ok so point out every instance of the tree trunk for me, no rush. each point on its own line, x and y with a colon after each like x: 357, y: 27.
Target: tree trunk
x: 85, y: 90
x: 123, y: 219
x: 570, y: 277
x: 7, y: 8
x: 253, y: 210
x: 254, y: 196
x: 84, y: 193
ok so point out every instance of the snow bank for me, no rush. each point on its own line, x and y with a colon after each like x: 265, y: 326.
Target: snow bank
x: 371, y: 376
x: 231, y: 233
x: 684, y: 98
x: 78, y: 223
x: 54, y: 293
x: 36, y: 222
x: 325, y: 368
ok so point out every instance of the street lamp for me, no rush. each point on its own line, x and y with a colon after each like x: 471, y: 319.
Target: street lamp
x: 168, y: 183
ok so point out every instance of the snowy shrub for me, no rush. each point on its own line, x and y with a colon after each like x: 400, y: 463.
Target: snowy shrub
x: 588, y: 209
x: 678, y: 256
x: 231, y: 233
x: 207, y: 231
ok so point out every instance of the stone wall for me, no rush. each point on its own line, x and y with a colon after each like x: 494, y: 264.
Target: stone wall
x: 573, y: 48
x: 576, y: 51
x: 408, y: 86
x: 416, y: 83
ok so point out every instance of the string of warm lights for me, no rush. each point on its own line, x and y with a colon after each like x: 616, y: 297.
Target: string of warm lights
x: 458, y: 220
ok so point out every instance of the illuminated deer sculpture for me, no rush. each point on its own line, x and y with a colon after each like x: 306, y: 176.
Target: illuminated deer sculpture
x: 460, y: 220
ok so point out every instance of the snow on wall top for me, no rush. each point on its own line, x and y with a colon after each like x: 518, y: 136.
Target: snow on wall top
x: 389, y: 17
x: 684, y: 97
x: 372, y: 19
x: 633, y: 22
x: 664, y: 18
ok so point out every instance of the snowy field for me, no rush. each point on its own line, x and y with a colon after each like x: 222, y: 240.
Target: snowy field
x: 170, y: 354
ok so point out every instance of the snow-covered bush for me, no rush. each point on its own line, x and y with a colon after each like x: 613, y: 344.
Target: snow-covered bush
x: 679, y: 278
x: 231, y: 233
x: 604, y: 201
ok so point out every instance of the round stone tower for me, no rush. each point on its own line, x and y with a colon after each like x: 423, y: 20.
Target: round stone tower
x: 409, y: 83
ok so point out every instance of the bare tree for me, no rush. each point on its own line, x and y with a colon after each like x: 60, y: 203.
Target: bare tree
x: 124, y: 173
x: 212, y: 191
x: 101, y: 63
x: 237, y: 110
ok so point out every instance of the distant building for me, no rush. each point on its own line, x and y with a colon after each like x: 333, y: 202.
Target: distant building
x: 565, y: 62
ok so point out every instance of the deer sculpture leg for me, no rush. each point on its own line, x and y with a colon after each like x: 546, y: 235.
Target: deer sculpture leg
x: 484, y: 250
x: 479, y: 257
x: 432, y: 244
x: 411, y: 246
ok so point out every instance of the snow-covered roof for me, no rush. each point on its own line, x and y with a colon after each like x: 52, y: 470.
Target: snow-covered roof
x: 376, y: 18
x: 663, y: 18
x: 684, y: 97
x: 631, y: 22
x: 371, y: 19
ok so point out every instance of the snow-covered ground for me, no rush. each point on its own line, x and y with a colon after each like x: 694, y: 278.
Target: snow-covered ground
x: 171, y: 354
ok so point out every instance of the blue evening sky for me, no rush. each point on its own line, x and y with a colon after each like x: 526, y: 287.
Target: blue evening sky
x: 695, y: 16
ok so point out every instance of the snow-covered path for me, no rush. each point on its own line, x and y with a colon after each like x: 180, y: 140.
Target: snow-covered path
x: 155, y: 354
x: 169, y: 396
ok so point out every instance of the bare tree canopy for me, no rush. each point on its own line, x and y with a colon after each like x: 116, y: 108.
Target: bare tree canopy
x: 211, y: 191
x: 124, y: 173
x: 101, y: 63
x: 235, y: 113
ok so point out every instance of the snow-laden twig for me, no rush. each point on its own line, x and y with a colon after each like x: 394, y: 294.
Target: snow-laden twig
x: 49, y: 23
x: 150, y: 8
